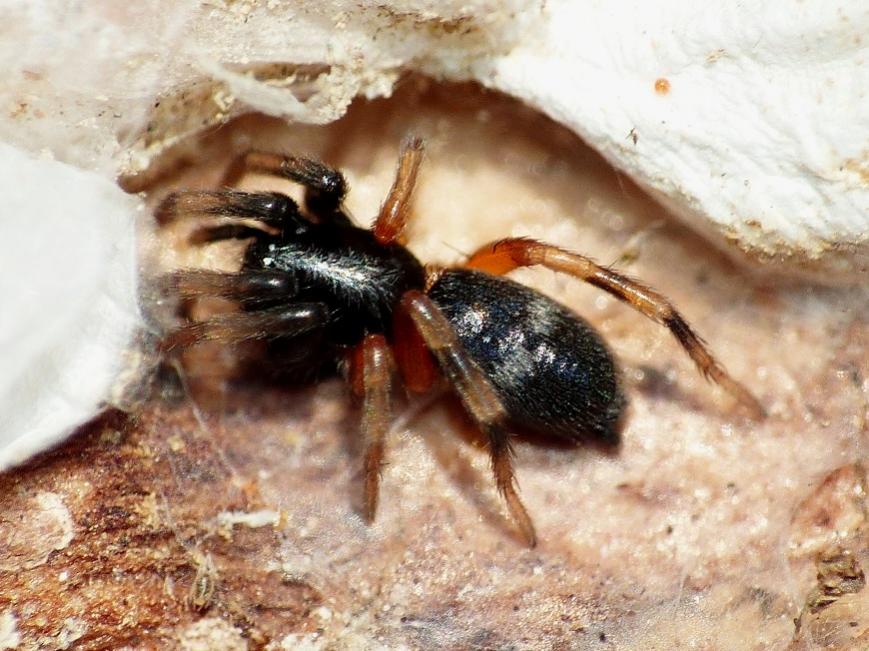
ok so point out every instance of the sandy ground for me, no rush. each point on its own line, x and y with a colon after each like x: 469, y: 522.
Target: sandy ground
x: 222, y: 515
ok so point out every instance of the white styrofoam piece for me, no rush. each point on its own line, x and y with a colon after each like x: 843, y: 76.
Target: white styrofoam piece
x: 750, y: 122
x: 68, y: 296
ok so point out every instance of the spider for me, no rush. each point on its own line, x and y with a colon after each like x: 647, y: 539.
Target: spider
x: 327, y: 294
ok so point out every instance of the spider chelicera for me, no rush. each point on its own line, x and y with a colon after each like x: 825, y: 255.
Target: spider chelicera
x: 328, y: 295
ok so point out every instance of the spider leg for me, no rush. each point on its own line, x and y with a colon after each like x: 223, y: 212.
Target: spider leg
x: 325, y: 187
x: 249, y: 287
x: 412, y: 356
x: 270, y: 208
x: 210, y: 234
x: 395, y: 210
x: 508, y: 254
x: 236, y: 327
x: 478, y: 396
x: 371, y: 377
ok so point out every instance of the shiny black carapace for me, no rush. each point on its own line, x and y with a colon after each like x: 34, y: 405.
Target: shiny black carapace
x: 327, y: 295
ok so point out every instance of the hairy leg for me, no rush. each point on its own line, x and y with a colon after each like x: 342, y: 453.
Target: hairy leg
x: 249, y: 287
x: 325, y: 187
x: 270, y: 208
x: 371, y: 378
x: 508, y: 254
x: 395, y: 210
x: 236, y: 327
x: 478, y: 396
x: 210, y: 234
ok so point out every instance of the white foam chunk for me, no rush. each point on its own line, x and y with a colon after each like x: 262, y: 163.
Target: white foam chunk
x: 752, y: 125
x: 67, y: 298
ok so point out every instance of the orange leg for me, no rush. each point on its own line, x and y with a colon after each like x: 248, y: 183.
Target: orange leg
x: 508, y: 254
x: 395, y: 211
x: 415, y: 362
x: 371, y: 378
x: 478, y: 396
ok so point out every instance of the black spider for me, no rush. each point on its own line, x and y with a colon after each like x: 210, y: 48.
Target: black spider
x: 327, y: 294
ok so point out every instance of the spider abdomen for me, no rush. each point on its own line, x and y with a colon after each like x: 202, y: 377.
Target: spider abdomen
x: 551, y: 369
